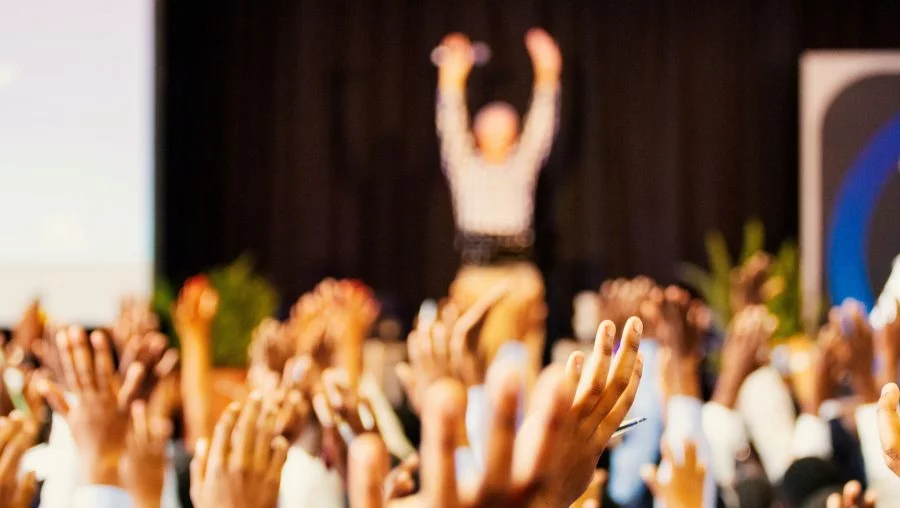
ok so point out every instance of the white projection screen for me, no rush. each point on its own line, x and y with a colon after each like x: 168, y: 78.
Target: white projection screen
x: 76, y: 156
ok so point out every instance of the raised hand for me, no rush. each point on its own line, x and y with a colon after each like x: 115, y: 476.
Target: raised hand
x: 448, y: 347
x: 343, y: 415
x: 685, y: 487
x: 851, y: 496
x: 192, y: 316
x: 136, y: 318
x: 859, y: 348
x: 152, y: 352
x: 826, y: 370
x: 456, y: 62
x: 747, y: 282
x: 193, y: 312
x: 545, y: 56
x: 99, y: 417
x: 29, y: 329
x: 680, y: 328
x: 17, y: 434
x: 242, y: 464
x: 748, y: 334
x: 144, y: 462
x: 270, y: 350
x: 605, y: 391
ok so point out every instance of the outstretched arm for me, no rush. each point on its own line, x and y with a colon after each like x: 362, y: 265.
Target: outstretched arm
x: 452, y: 116
x: 541, y: 120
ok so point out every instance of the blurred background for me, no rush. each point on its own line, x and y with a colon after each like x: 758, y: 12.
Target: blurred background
x: 302, y: 133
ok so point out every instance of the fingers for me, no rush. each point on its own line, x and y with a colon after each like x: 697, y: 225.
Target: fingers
x: 103, y: 364
x: 607, y: 423
x: 130, y: 388
x: 81, y: 354
x: 622, y: 369
x: 852, y: 494
x: 276, y: 464
x: 167, y: 363
x: 575, y: 366
x: 889, y: 426
x: 53, y: 394
x: 140, y: 429
x: 368, y: 471
x: 870, y: 498
x: 503, y: 385
x: 240, y: 456
x: 441, y: 419
x: 264, y: 434
x: 591, y: 385
x: 67, y: 361
x: 834, y: 501
x: 220, y: 446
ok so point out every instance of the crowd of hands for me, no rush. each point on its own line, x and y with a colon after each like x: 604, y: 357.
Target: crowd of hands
x: 117, y: 389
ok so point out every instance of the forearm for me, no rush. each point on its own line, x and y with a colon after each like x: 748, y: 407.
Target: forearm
x: 195, y: 387
x: 546, y: 80
x: 726, y: 391
x: 684, y: 377
x: 452, y: 123
x: 101, y: 470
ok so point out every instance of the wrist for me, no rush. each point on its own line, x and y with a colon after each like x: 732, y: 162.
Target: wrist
x: 726, y: 391
x: 451, y: 83
x: 687, y: 377
x: 101, y: 470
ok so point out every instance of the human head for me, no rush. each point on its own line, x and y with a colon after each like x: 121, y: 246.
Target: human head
x: 496, y: 128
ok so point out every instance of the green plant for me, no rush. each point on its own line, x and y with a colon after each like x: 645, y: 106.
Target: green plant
x: 783, y: 294
x: 245, y: 299
x: 715, y: 286
x: 780, y: 292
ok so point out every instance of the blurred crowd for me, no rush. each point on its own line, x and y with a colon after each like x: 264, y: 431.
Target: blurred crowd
x: 117, y: 416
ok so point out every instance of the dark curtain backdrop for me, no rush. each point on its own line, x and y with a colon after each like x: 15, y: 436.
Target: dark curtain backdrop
x: 303, y: 132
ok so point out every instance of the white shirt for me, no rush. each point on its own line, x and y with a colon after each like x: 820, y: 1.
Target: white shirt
x: 99, y: 496
x: 305, y: 481
x: 494, y: 199
x: 765, y: 405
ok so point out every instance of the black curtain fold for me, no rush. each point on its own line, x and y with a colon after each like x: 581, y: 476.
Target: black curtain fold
x: 303, y: 132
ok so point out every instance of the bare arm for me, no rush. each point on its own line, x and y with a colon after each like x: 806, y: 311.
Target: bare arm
x: 451, y: 115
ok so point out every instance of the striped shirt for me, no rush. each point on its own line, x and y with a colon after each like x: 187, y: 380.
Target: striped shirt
x: 494, y: 199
